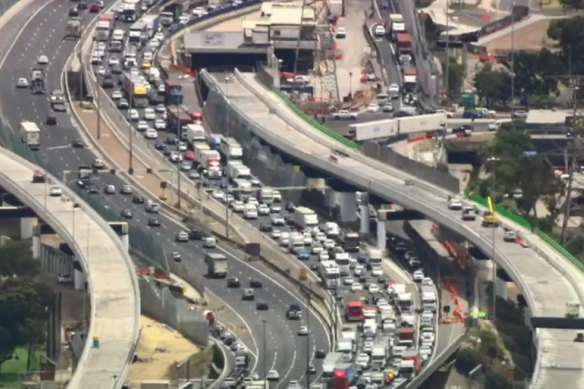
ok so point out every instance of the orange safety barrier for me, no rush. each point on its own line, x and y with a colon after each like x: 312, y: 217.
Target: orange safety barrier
x: 417, y: 138
x: 457, y: 311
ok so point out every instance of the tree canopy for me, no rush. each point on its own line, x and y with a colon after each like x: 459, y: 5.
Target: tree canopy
x: 493, y: 85
x: 512, y: 166
x: 16, y: 260
x: 23, y: 302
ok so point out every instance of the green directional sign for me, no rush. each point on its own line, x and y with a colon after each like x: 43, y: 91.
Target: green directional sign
x: 478, y: 315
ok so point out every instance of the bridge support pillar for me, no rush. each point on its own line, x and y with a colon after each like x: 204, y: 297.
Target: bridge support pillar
x: 122, y: 230
x: 364, y: 214
x: 36, y: 243
x: 26, y: 227
x: 348, y: 207
x: 381, y: 229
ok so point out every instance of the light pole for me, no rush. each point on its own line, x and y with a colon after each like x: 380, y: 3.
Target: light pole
x: 265, y: 373
x: 227, y: 199
x: 131, y: 156
x: 350, y: 84
x: 308, y: 338
x: 179, y: 134
x: 98, y: 107
x: 512, y: 54
x: 494, y: 160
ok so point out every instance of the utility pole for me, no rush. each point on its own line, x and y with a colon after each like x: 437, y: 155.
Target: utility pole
x: 447, y: 72
x: 512, y: 54
x: 265, y: 375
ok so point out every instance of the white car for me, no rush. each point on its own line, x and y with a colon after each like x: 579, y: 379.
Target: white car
x: 158, y: 36
x: 317, y: 248
x: 376, y: 272
x: 356, y: 286
x: 329, y: 244
x: 133, y: 114
x: 303, y: 330
x: 341, y: 32
x: 348, y: 281
x: 22, y: 83
x: 117, y: 94
x: 278, y: 220
x: 344, y: 114
x: 373, y: 108
x: 141, y: 126
x: 273, y: 375
x: 160, y: 124
x: 363, y: 360
x: 182, y: 237
x: 186, y: 166
x: 455, y: 204
x: 237, y: 206
x: 373, y: 288
x: 151, y: 133
x: 198, y: 12
x: 161, y: 108
x: 113, y: 61
x: 276, y: 234
x: 320, y: 236
x: 263, y: 209
x: 43, y: 60
x: 55, y: 191
x: 323, y: 256
x: 149, y: 114
x: 217, y: 194
x: 427, y: 281
x: 418, y: 275
x: 358, y: 270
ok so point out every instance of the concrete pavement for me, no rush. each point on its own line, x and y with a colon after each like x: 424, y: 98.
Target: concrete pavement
x: 114, y: 294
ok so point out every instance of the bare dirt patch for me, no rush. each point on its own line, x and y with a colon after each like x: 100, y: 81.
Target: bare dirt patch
x: 159, y: 349
x: 532, y: 37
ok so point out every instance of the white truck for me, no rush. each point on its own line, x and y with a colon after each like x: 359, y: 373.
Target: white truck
x: 211, y: 161
x: 374, y: 258
x: 194, y: 133
x: 346, y: 347
x: 379, y: 354
x: 266, y: 195
x: 30, y: 134
x: 330, y: 274
x: 305, y: 217
x: 429, y: 300
x: 216, y: 265
x: 231, y: 148
x: 397, y: 24
x: 242, y: 190
x: 237, y: 170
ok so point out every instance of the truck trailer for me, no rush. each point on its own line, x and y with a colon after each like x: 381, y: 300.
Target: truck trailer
x: 305, y: 217
x: 73, y: 30
x: 216, y: 265
x: 136, y: 90
x: 30, y: 134
x: 37, y: 81
x: 194, y: 133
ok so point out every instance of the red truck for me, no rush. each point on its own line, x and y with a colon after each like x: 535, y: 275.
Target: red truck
x: 406, y: 335
x: 404, y: 43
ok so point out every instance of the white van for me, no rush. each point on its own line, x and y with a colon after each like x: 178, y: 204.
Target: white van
x: 209, y: 242
x: 118, y: 35
x: 382, y: 98
x: 250, y: 211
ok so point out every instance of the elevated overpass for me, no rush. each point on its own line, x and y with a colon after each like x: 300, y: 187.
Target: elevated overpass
x: 114, y: 318
x: 546, y: 279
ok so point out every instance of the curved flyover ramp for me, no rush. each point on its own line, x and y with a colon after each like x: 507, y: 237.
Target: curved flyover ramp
x: 114, y: 294
x: 546, y: 279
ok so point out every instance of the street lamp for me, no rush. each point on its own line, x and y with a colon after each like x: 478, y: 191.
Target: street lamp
x: 350, y: 84
x: 227, y: 200
x: 265, y: 375
x: 494, y: 293
x: 131, y: 156
x: 308, y: 337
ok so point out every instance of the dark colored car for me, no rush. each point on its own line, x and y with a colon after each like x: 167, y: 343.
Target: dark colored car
x: 82, y: 5
x: 319, y: 354
x: 266, y: 227
x: 78, y: 144
x: 153, y: 222
x: 197, y: 234
x: 255, y: 283
x: 126, y: 214
x: 261, y: 306
x: 94, y: 8
x: 137, y: 199
x: 233, y: 282
x: 51, y: 120
x: 73, y: 12
x: 107, y: 82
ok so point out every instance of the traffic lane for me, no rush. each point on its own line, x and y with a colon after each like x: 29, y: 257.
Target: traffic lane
x: 14, y: 25
x: 286, y: 357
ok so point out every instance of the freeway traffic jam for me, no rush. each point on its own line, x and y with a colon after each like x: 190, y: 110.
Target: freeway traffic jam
x: 388, y: 324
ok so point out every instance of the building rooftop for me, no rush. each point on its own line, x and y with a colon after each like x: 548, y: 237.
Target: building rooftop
x: 547, y: 116
x: 212, y: 41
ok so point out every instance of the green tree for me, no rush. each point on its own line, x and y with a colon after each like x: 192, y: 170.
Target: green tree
x: 16, y: 260
x: 573, y: 4
x: 570, y: 35
x: 498, y: 380
x: 22, y: 316
x: 455, y: 78
x: 493, y: 86
x: 467, y: 359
